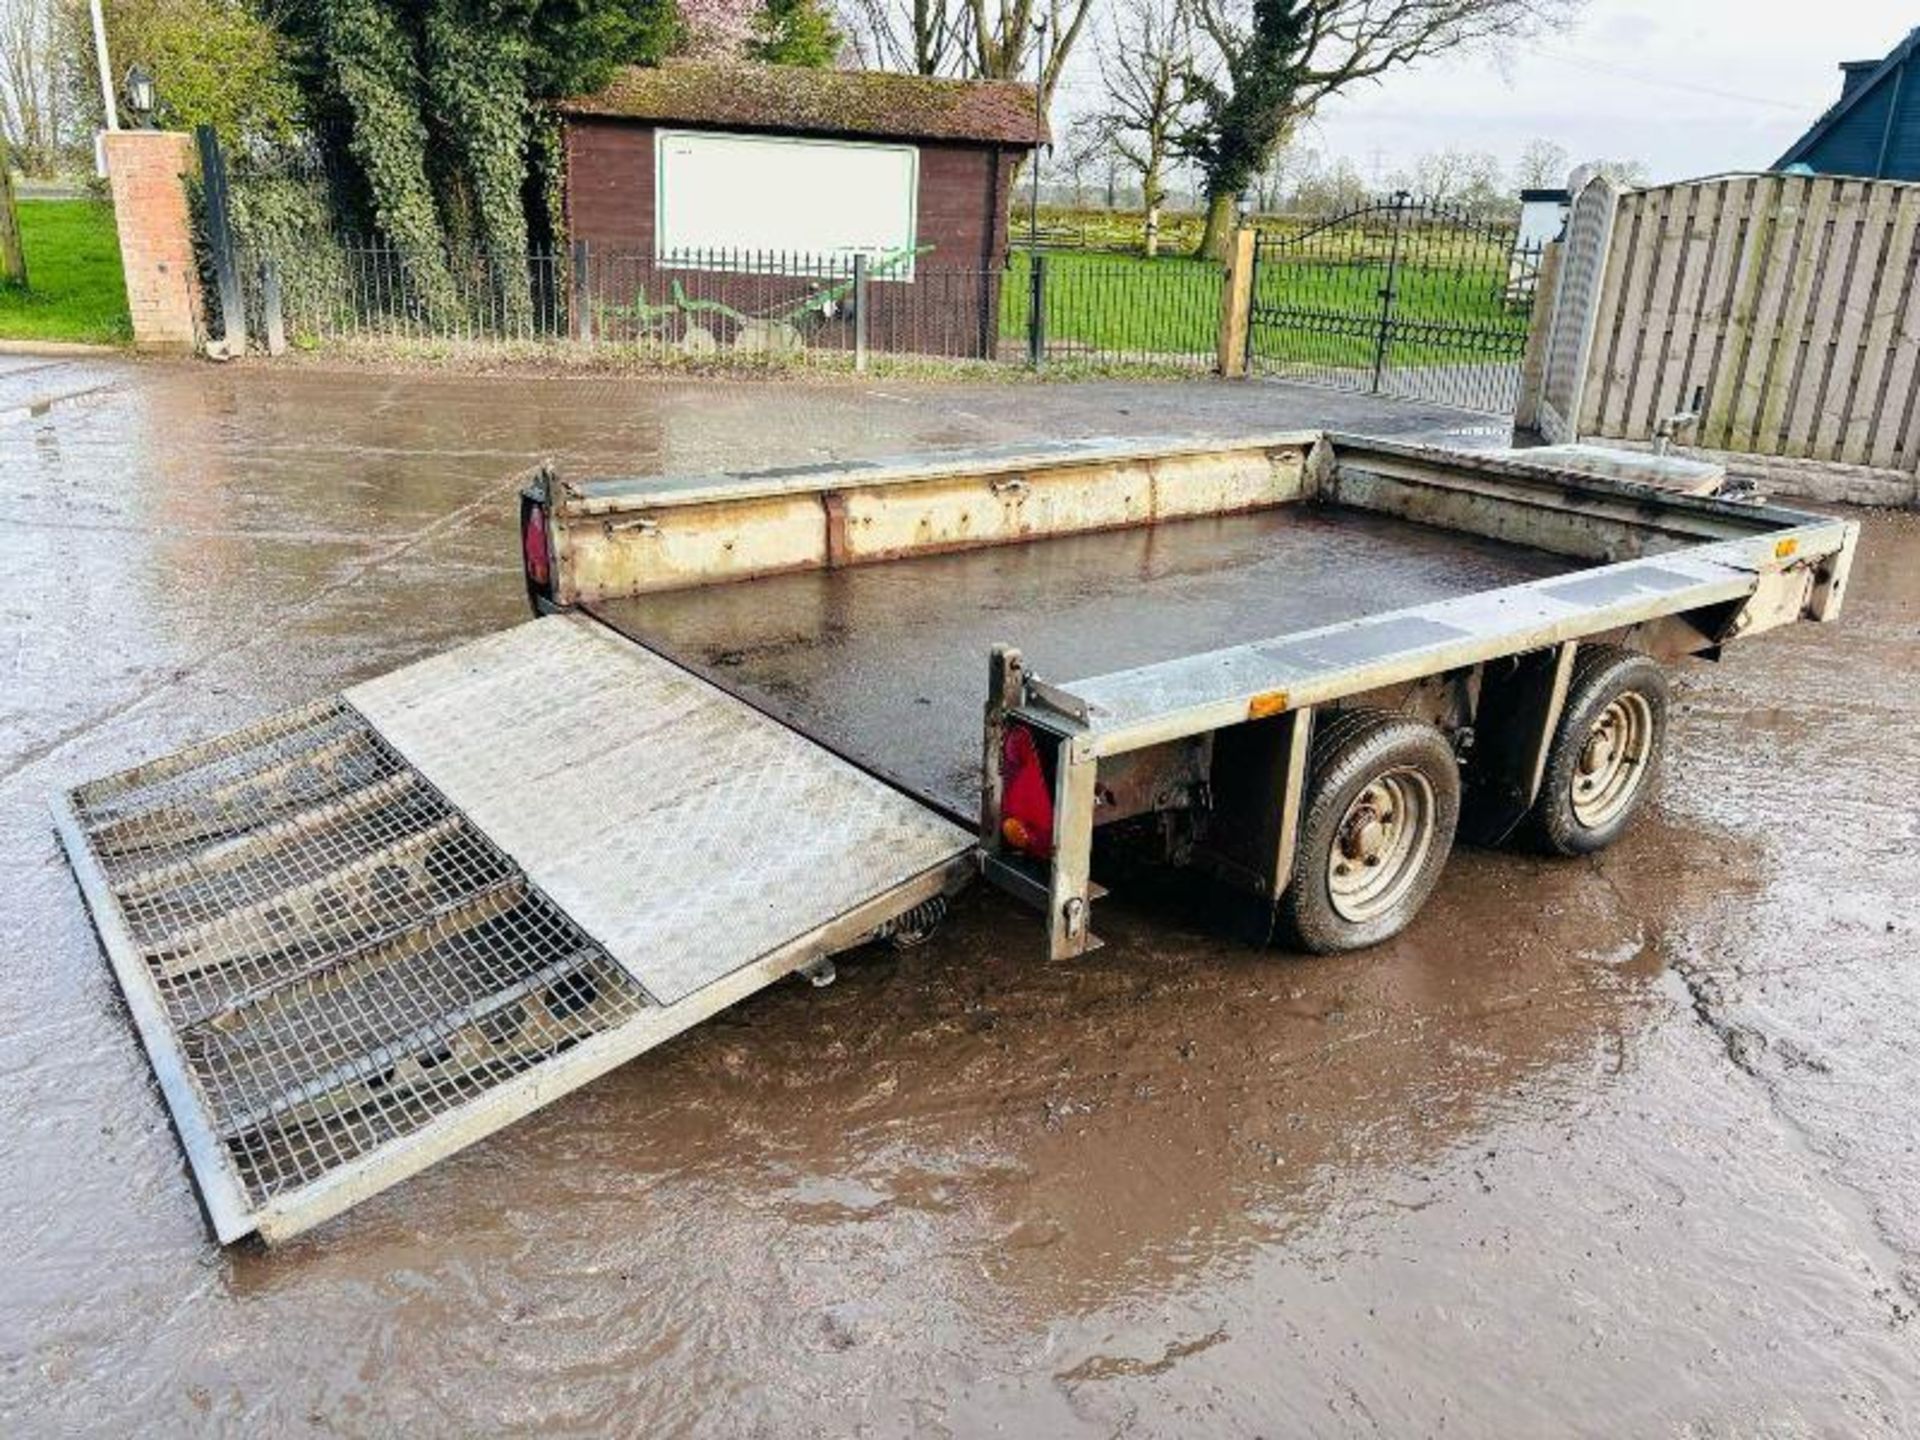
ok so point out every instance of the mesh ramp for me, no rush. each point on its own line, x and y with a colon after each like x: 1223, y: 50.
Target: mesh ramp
x: 342, y: 973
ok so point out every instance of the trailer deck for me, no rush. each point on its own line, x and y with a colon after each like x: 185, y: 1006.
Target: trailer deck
x: 362, y: 935
x: 887, y: 662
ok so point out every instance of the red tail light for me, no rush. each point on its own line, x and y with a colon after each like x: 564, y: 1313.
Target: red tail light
x: 1026, y: 800
x: 535, y: 552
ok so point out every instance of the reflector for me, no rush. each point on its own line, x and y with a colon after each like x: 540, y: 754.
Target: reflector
x: 1026, y: 804
x: 534, y: 551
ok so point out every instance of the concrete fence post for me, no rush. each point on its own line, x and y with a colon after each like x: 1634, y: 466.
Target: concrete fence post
x: 1236, y: 304
x: 582, y: 295
x: 1533, y: 364
x: 272, y: 306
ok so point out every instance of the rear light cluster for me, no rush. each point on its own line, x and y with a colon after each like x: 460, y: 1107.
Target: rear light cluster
x: 1026, y: 799
x: 536, y: 552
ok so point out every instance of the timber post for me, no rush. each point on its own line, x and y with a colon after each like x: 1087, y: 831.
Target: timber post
x: 1236, y: 304
x: 13, y: 254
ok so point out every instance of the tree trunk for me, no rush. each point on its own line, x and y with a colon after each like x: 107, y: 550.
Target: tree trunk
x: 1153, y: 230
x: 1217, y: 239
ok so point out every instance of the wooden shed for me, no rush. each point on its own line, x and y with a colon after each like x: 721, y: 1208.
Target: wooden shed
x: 742, y: 189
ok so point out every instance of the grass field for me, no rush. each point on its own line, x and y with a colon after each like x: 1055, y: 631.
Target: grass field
x: 1327, y: 314
x: 76, y: 291
x: 1318, y: 312
x: 1119, y: 306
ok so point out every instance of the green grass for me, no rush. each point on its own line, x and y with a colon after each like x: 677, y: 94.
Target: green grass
x: 1119, y: 305
x: 1327, y: 315
x: 75, y: 288
x: 1317, y: 313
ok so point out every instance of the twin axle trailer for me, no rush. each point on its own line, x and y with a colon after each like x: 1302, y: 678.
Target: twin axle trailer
x: 761, y: 719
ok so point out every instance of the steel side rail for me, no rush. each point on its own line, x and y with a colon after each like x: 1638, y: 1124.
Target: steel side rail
x: 219, y: 1188
x: 1129, y: 709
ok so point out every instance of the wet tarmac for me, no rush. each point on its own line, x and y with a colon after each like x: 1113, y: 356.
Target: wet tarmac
x: 1615, y: 1146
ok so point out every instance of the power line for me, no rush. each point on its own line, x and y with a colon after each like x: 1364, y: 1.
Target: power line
x: 1640, y: 77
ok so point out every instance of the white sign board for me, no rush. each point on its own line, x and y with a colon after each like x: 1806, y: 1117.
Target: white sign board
x: 813, y: 201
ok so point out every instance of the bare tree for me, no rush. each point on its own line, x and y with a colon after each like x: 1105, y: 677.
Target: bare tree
x: 1543, y: 165
x: 1468, y: 178
x: 921, y: 37
x: 1082, y: 153
x: 1328, y: 189
x: 974, y: 39
x: 1631, y: 173
x: 32, y: 100
x: 1145, y: 56
x: 1278, y: 59
x: 1287, y: 162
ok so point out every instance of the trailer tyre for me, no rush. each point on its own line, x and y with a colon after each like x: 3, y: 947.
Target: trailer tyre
x: 1382, y: 801
x: 1605, y: 753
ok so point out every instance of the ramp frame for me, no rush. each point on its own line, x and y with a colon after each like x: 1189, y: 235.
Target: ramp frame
x: 340, y: 977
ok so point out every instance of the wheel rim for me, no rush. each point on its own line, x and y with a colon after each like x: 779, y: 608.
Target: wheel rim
x: 1612, y: 764
x: 1381, y: 844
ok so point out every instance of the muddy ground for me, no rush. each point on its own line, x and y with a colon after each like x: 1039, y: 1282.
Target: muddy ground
x: 1617, y: 1146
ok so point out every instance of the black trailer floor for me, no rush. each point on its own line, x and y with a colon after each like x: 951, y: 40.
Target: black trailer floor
x: 888, y: 662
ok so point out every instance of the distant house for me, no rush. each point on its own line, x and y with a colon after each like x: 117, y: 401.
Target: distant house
x: 1873, y: 130
x: 690, y: 167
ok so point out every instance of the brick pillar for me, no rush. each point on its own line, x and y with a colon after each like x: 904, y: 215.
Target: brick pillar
x: 147, y: 170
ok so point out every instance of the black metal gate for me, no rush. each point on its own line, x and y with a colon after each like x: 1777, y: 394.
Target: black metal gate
x: 1404, y: 297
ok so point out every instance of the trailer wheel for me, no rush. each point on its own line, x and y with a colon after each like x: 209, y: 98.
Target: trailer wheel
x: 1604, y: 755
x: 1383, y: 797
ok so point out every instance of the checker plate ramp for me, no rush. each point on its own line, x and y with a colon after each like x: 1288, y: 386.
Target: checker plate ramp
x: 361, y: 935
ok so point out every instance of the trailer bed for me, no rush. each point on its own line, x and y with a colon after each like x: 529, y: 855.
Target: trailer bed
x: 361, y: 935
x: 885, y: 662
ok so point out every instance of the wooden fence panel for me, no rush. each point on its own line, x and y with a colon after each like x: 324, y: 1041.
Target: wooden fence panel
x: 1767, y: 327
x: 1854, y: 434
x: 1852, y: 288
x: 1668, y: 259
x: 1790, y: 302
x: 1739, y: 199
x: 1810, y: 320
x: 1893, y: 437
x: 1670, y: 391
x: 1642, y: 217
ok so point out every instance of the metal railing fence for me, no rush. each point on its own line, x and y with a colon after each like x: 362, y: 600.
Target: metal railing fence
x: 1404, y: 297
x: 756, y: 307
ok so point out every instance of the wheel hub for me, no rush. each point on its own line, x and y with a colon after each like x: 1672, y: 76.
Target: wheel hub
x: 1381, y: 844
x: 1366, y: 830
x: 1613, y: 761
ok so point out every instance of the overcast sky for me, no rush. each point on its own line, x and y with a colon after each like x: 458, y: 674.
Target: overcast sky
x: 1691, y: 87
